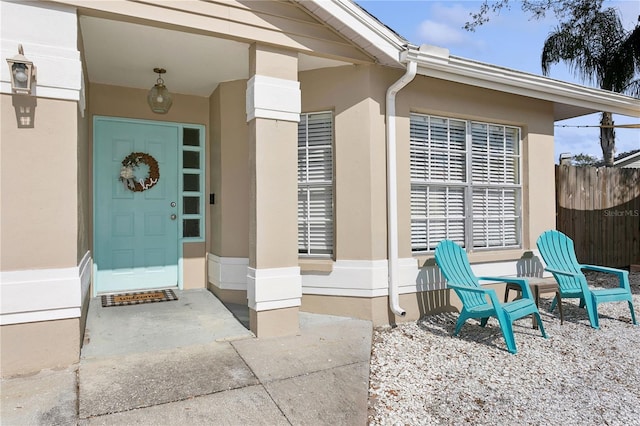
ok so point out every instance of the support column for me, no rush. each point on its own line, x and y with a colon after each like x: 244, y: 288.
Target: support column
x: 45, y: 262
x: 274, y: 286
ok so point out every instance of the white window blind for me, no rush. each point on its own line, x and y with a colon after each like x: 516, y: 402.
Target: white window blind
x: 465, y: 183
x: 315, y: 184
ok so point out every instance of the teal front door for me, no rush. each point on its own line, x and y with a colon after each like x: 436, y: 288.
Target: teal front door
x: 135, y: 205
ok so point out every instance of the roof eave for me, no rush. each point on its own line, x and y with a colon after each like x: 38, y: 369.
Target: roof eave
x: 570, y: 100
x: 355, y: 24
x: 627, y: 159
x: 390, y: 49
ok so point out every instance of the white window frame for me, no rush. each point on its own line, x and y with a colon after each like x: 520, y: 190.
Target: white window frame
x: 316, y: 234
x: 448, y: 176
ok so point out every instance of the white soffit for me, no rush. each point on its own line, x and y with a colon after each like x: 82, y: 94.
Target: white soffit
x: 124, y: 54
x: 307, y: 62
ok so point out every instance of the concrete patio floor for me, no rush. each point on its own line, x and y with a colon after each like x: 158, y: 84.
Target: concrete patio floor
x: 191, y: 362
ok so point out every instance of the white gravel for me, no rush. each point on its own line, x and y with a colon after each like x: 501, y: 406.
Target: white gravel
x: 421, y: 375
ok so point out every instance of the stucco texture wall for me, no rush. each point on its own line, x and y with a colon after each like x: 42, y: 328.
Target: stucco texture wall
x: 229, y: 235
x: 116, y: 101
x: 85, y: 221
x: 38, y: 169
x: 29, y: 347
x: 357, y: 100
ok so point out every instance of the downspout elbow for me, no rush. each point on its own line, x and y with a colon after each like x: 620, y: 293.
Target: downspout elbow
x: 392, y: 187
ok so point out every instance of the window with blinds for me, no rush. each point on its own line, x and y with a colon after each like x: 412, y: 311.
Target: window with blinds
x: 465, y: 183
x: 315, y: 184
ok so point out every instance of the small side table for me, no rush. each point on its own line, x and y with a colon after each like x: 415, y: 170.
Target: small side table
x: 539, y: 286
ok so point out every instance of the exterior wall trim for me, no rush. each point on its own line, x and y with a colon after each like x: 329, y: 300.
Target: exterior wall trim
x: 274, y: 288
x: 359, y: 278
x: 273, y: 98
x: 57, y: 60
x: 44, y: 294
x: 227, y: 273
x: 368, y: 278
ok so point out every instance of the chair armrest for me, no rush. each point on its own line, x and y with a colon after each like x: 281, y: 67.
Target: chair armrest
x: 469, y: 289
x: 583, y: 282
x: 484, y: 291
x: 557, y: 271
x: 522, y: 282
x: 494, y: 298
x: 604, y: 269
x: 623, y: 276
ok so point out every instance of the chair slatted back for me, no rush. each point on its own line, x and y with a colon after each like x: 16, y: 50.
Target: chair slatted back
x: 454, y: 264
x: 559, y: 253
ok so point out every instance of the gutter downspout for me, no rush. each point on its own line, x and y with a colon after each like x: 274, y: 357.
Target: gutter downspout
x: 392, y: 185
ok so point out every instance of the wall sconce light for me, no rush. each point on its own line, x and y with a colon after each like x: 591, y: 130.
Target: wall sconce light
x: 159, y: 98
x: 23, y: 73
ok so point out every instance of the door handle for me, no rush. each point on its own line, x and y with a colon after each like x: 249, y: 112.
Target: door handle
x: 173, y: 216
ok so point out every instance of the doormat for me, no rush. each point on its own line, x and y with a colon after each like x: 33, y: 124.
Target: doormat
x: 124, y: 299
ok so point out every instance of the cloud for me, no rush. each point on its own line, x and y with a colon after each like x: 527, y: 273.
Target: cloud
x: 440, y: 34
x: 455, y: 13
x: 444, y: 27
x: 577, y: 141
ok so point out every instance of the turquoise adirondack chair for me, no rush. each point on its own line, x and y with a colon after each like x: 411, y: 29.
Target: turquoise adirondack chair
x: 483, y: 303
x: 558, y: 252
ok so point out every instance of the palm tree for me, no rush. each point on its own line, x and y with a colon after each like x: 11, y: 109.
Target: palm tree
x: 598, y: 49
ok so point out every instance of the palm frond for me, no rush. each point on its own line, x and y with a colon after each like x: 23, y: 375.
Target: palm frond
x: 633, y: 89
x: 596, y: 48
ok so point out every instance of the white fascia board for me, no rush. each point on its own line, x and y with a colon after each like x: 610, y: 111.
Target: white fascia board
x: 361, y: 28
x: 525, y: 84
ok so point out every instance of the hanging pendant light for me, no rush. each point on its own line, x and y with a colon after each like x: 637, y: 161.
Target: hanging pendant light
x: 159, y: 98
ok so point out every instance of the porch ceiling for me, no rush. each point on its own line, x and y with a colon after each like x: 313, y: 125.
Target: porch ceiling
x: 124, y: 54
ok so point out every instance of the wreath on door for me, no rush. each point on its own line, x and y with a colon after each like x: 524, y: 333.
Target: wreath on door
x: 139, y: 172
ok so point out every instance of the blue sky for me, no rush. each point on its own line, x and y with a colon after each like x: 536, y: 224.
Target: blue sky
x: 510, y: 39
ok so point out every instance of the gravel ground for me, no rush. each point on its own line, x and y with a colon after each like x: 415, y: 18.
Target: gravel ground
x: 421, y: 375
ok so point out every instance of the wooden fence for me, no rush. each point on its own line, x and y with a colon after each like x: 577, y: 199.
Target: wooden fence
x: 599, y: 208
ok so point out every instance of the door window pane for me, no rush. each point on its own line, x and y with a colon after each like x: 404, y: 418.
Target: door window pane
x: 191, y: 137
x: 191, y: 182
x: 191, y: 160
x: 191, y: 228
x: 191, y: 205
